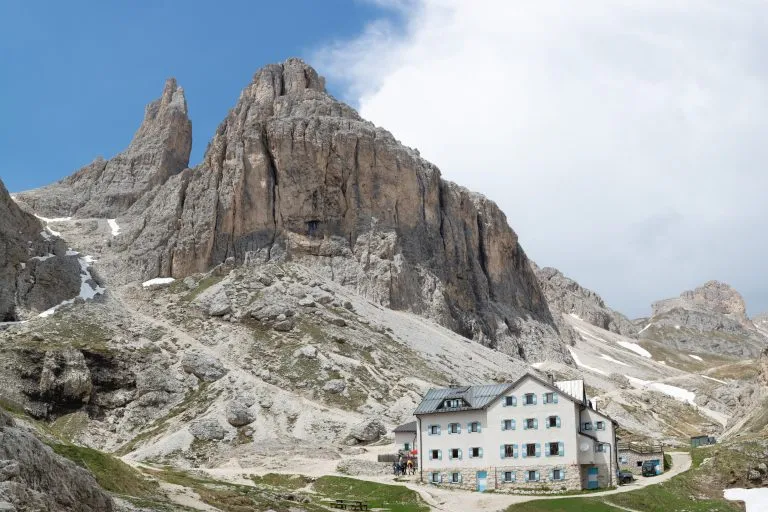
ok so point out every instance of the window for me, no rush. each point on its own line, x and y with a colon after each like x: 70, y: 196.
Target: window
x: 639, y: 463
x: 407, y: 447
x: 529, y: 399
x: 509, y: 476
x: 533, y: 476
x: 434, y: 430
x: 435, y: 455
x: 552, y: 422
x: 623, y: 459
x: 549, y: 398
x: 509, y: 451
x: 452, y: 403
x: 456, y: 478
x: 475, y: 453
x: 435, y: 477
x: 600, y: 425
x: 601, y: 447
x: 530, y: 450
x: 510, y: 401
x: 474, y: 426
x: 530, y: 423
x: 455, y: 453
x: 508, y: 425
x: 587, y: 425
x: 454, y: 428
x: 557, y: 474
x: 554, y: 448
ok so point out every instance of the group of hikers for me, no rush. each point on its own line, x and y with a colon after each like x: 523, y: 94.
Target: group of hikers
x: 403, y: 468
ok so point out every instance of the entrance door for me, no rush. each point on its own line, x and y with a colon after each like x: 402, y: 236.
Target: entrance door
x: 592, y: 478
x: 482, y: 481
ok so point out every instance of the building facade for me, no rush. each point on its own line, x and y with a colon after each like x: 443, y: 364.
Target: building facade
x: 406, y: 438
x: 532, y: 434
x: 632, y: 456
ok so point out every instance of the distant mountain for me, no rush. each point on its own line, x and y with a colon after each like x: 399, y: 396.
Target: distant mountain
x: 566, y: 296
x: 711, y: 318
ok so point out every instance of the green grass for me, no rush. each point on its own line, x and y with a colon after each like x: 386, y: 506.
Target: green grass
x: 112, y: 474
x: 395, y: 498
x: 292, y: 482
x: 203, y: 285
x: 563, y: 505
x: 68, y: 427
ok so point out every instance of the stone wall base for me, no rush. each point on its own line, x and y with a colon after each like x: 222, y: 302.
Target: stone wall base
x: 495, y: 479
x: 633, y: 458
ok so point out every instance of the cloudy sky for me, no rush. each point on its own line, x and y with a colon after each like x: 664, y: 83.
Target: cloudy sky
x: 626, y: 141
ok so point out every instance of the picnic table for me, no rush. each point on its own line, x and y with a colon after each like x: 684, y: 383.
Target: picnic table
x: 350, y: 505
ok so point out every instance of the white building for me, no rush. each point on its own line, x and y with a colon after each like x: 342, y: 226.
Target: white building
x: 406, y: 437
x: 531, y: 434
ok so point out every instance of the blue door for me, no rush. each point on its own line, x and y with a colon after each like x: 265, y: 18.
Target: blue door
x: 592, y: 478
x: 482, y: 481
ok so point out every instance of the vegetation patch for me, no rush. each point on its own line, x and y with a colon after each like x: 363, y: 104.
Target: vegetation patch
x: 396, y: 498
x: 69, y: 426
x: 202, y: 285
x: 293, y: 482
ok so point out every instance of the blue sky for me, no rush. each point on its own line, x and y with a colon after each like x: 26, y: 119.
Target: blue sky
x: 76, y: 75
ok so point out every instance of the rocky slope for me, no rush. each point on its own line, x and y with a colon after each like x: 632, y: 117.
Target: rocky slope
x: 33, y: 478
x: 711, y: 318
x: 37, y: 271
x: 293, y: 174
x: 566, y: 296
x: 159, y: 149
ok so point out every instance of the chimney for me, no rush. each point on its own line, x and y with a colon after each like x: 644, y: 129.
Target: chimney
x: 551, y: 377
x: 594, y: 403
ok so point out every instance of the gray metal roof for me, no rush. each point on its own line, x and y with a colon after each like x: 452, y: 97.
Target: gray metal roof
x: 477, y: 397
x: 407, y: 427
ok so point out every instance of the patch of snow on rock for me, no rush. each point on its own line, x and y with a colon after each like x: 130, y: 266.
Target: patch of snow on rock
x: 696, y: 357
x: 679, y: 393
x: 158, y: 281
x: 644, y: 328
x: 634, y: 347
x: 609, y: 358
x: 582, y: 365
x: 88, y: 289
x: 114, y: 226
x: 756, y: 500
x: 55, y: 219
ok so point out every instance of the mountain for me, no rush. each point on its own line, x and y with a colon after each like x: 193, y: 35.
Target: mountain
x: 294, y: 175
x: 711, y: 318
x: 37, y: 271
x: 159, y: 149
x: 566, y: 296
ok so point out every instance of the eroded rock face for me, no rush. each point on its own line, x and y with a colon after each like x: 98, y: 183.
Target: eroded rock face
x: 33, y: 477
x: 712, y: 297
x: 65, y: 377
x: 35, y: 271
x: 292, y: 173
x: 566, y: 296
x: 160, y: 149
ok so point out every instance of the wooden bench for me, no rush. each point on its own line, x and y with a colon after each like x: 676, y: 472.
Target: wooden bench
x: 350, y: 505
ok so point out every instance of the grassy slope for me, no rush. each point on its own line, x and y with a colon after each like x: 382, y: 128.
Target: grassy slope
x: 395, y: 498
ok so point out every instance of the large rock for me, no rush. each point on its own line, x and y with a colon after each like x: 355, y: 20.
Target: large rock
x: 566, y: 296
x: 34, y: 478
x: 207, y: 429
x: 293, y: 173
x: 239, y: 413
x: 35, y: 271
x: 65, y: 377
x: 106, y: 189
x: 368, y: 430
x: 203, y: 365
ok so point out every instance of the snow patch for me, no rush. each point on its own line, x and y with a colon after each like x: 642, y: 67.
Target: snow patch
x: 574, y: 315
x: 714, y: 379
x: 44, y: 258
x: 114, y: 226
x: 696, y: 357
x: 158, y: 281
x: 644, y: 328
x: 612, y: 360
x: 679, y: 393
x: 582, y: 365
x: 52, y: 232
x: 756, y: 500
x: 55, y: 219
x: 88, y: 291
x: 537, y: 365
x: 634, y: 347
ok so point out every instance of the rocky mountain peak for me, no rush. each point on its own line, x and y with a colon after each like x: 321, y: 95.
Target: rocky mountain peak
x: 712, y: 296
x: 107, y: 188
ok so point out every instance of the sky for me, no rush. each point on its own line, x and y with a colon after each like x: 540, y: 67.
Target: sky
x: 624, y: 140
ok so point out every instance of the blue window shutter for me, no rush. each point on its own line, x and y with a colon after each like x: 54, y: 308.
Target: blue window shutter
x: 469, y: 427
x: 514, y: 401
x: 537, y: 476
x: 525, y: 425
x: 479, y: 427
x: 460, y: 475
x: 536, y: 423
x: 439, y: 454
x: 551, y: 474
x: 562, y: 448
x: 534, y: 399
x: 429, y: 430
x: 543, y: 398
x: 502, y: 452
x: 555, y: 395
x: 480, y: 455
x: 546, y: 423
x: 524, y: 450
x: 526, y: 476
x: 430, y: 454
x: 438, y: 430
x: 538, y: 449
x: 546, y: 449
x: 514, y: 451
x: 459, y: 453
x: 558, y: 421
x: 514, y: 423
x: 562, y: 474
x: 458, y: 428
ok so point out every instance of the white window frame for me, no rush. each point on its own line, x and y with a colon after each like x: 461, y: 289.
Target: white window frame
x: 456, y: 477
x: 474, y: 427
x: 600, y: 425
x: 533, y: 399
x: 454, y: 428
x: 512, y: 477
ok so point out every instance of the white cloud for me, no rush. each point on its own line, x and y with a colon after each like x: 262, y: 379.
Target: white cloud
x: 626, y: 141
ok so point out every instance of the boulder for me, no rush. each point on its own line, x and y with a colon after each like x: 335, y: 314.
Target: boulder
x: 307, y: 351
x: 239, y: 413
x: 335, y: 386
x: 207, y: 429
x: 284, y: 326
x: 203, y: 365
x: 368, y: 430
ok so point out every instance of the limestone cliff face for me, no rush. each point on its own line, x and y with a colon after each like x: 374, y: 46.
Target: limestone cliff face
x: 35, y: 271
x: 710, y: 318
x: 293, y: 173
x: 160, y: 149
x: 566, y: 296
